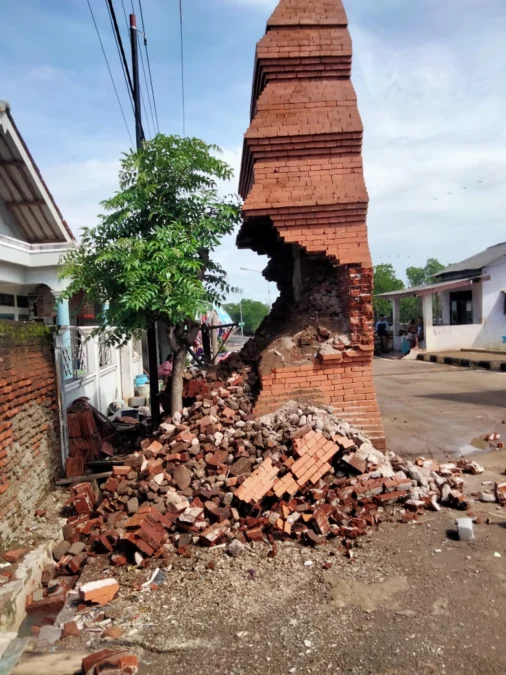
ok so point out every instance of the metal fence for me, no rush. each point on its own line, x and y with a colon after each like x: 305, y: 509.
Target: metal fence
x: 104, y: 354
x: 74, y: 354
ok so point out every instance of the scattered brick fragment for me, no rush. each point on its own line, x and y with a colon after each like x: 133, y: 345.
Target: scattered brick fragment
x: 99, y: 592
x: 15, y: 555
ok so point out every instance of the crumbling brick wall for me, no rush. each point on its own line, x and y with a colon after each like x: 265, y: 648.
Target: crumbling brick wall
x: 29, y: 429
x: 306, y: 207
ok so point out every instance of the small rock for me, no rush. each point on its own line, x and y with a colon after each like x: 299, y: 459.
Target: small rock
x: 182, y: 477
x: 113, y: 632
x: 488, y: 497
x: 71, y: 629
x: 76, y: 548
x: 15, y: 555
x: 133, y: 505
x: 60, y: 550
x: 235, y: 548
x: 465, y: 529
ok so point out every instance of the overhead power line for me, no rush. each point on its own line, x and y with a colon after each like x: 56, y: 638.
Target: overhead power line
x: 149, y: 68
x: 182, y: 63
x: 110, y: 72
x: 125, y: 15
x: 147, y: 91
x: 119, y: 45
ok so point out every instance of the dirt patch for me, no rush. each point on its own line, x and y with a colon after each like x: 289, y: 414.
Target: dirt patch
x: 367, y: 597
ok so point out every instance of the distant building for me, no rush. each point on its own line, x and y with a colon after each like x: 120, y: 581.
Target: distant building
x: 473, y: 299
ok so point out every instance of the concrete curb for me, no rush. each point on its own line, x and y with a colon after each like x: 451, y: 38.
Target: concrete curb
x: 28, y: 578
x: 484, y: 364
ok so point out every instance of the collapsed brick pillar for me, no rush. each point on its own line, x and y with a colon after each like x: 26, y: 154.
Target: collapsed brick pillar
x: 305, y: 207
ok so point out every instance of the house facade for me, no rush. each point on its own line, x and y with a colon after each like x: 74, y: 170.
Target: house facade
x: 33, y: 234
x: 33, y: 238
x: 473, y: 301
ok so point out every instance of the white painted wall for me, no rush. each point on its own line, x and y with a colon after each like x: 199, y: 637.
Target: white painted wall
x: 102, y: 385
x: 489, y: 328
x: 493, y: 329
x: 451, y: 338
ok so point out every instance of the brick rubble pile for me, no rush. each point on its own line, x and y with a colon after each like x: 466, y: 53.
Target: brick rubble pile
x: 214, y: 474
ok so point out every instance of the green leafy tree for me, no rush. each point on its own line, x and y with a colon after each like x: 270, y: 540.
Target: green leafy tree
x: 384, y: 281
x: 149, y: 258
x: 253, y: 313
x: 411, y: 308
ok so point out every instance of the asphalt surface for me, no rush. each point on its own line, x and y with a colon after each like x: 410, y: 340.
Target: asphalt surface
x: 434, y: 410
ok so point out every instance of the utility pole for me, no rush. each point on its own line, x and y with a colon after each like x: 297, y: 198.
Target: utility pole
x: 139, y: 137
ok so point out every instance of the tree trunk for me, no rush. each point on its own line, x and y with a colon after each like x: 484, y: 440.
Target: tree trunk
x: 176, y: 385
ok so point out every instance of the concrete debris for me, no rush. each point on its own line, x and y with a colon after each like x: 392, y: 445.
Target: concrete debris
x: 214, y: 474
x: 465, y: 529
x: 500, y: 492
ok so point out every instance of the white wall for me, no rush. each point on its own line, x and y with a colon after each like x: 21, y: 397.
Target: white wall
x: 493, y: 333
x: 101, y: 385
x: 451, y: 338
x: 489, y: 328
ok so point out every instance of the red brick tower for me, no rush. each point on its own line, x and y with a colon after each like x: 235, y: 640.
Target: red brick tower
x: 305, y: 207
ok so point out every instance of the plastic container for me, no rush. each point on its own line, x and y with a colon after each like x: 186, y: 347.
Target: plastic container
x: 142, y: 390
x: 140, y: 380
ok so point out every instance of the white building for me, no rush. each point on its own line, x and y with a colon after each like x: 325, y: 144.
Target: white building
x: 33, y: 234
x: 473, y: 298
x: 33, y: 238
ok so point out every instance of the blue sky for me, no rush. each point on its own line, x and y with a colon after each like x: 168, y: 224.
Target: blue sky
x: 429, y: 77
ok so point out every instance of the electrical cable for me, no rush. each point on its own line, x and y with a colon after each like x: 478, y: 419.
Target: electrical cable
x: 182, y: 64
x: 119, y: 45
x: 147, y: 89
x: 149, y: 68
x: 110, y: 72
x: 125, y: 15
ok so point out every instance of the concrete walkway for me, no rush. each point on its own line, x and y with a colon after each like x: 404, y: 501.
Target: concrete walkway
x: 435, y: 410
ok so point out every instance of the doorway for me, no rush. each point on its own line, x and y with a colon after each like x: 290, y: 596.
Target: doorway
x: 461, y: 307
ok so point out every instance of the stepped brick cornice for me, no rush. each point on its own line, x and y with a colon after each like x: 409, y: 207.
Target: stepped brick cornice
x: 305, y: 206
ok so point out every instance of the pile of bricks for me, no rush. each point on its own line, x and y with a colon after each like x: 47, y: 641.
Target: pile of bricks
x: 84, y: 439
x: 214, y: 474
x: 305, y: 200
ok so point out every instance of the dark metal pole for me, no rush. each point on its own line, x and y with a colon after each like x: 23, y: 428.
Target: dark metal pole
x: 139, y: 137
x: 136, y: 85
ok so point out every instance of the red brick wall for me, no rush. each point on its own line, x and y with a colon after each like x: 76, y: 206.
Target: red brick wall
x: 302, y: 171
x: 29, y: 430
x: 347, y: 386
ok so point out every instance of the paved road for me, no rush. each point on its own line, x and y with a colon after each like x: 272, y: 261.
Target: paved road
x: 431, y: 409
x: 236, y: 342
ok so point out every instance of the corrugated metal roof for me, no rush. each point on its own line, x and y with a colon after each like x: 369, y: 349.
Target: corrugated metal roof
x: 476, y: 262
x: 418, y: 291
x: 23, y: 189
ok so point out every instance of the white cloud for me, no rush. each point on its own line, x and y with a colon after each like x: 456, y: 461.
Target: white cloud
x: 434, y: 150
x: 79, y: 187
